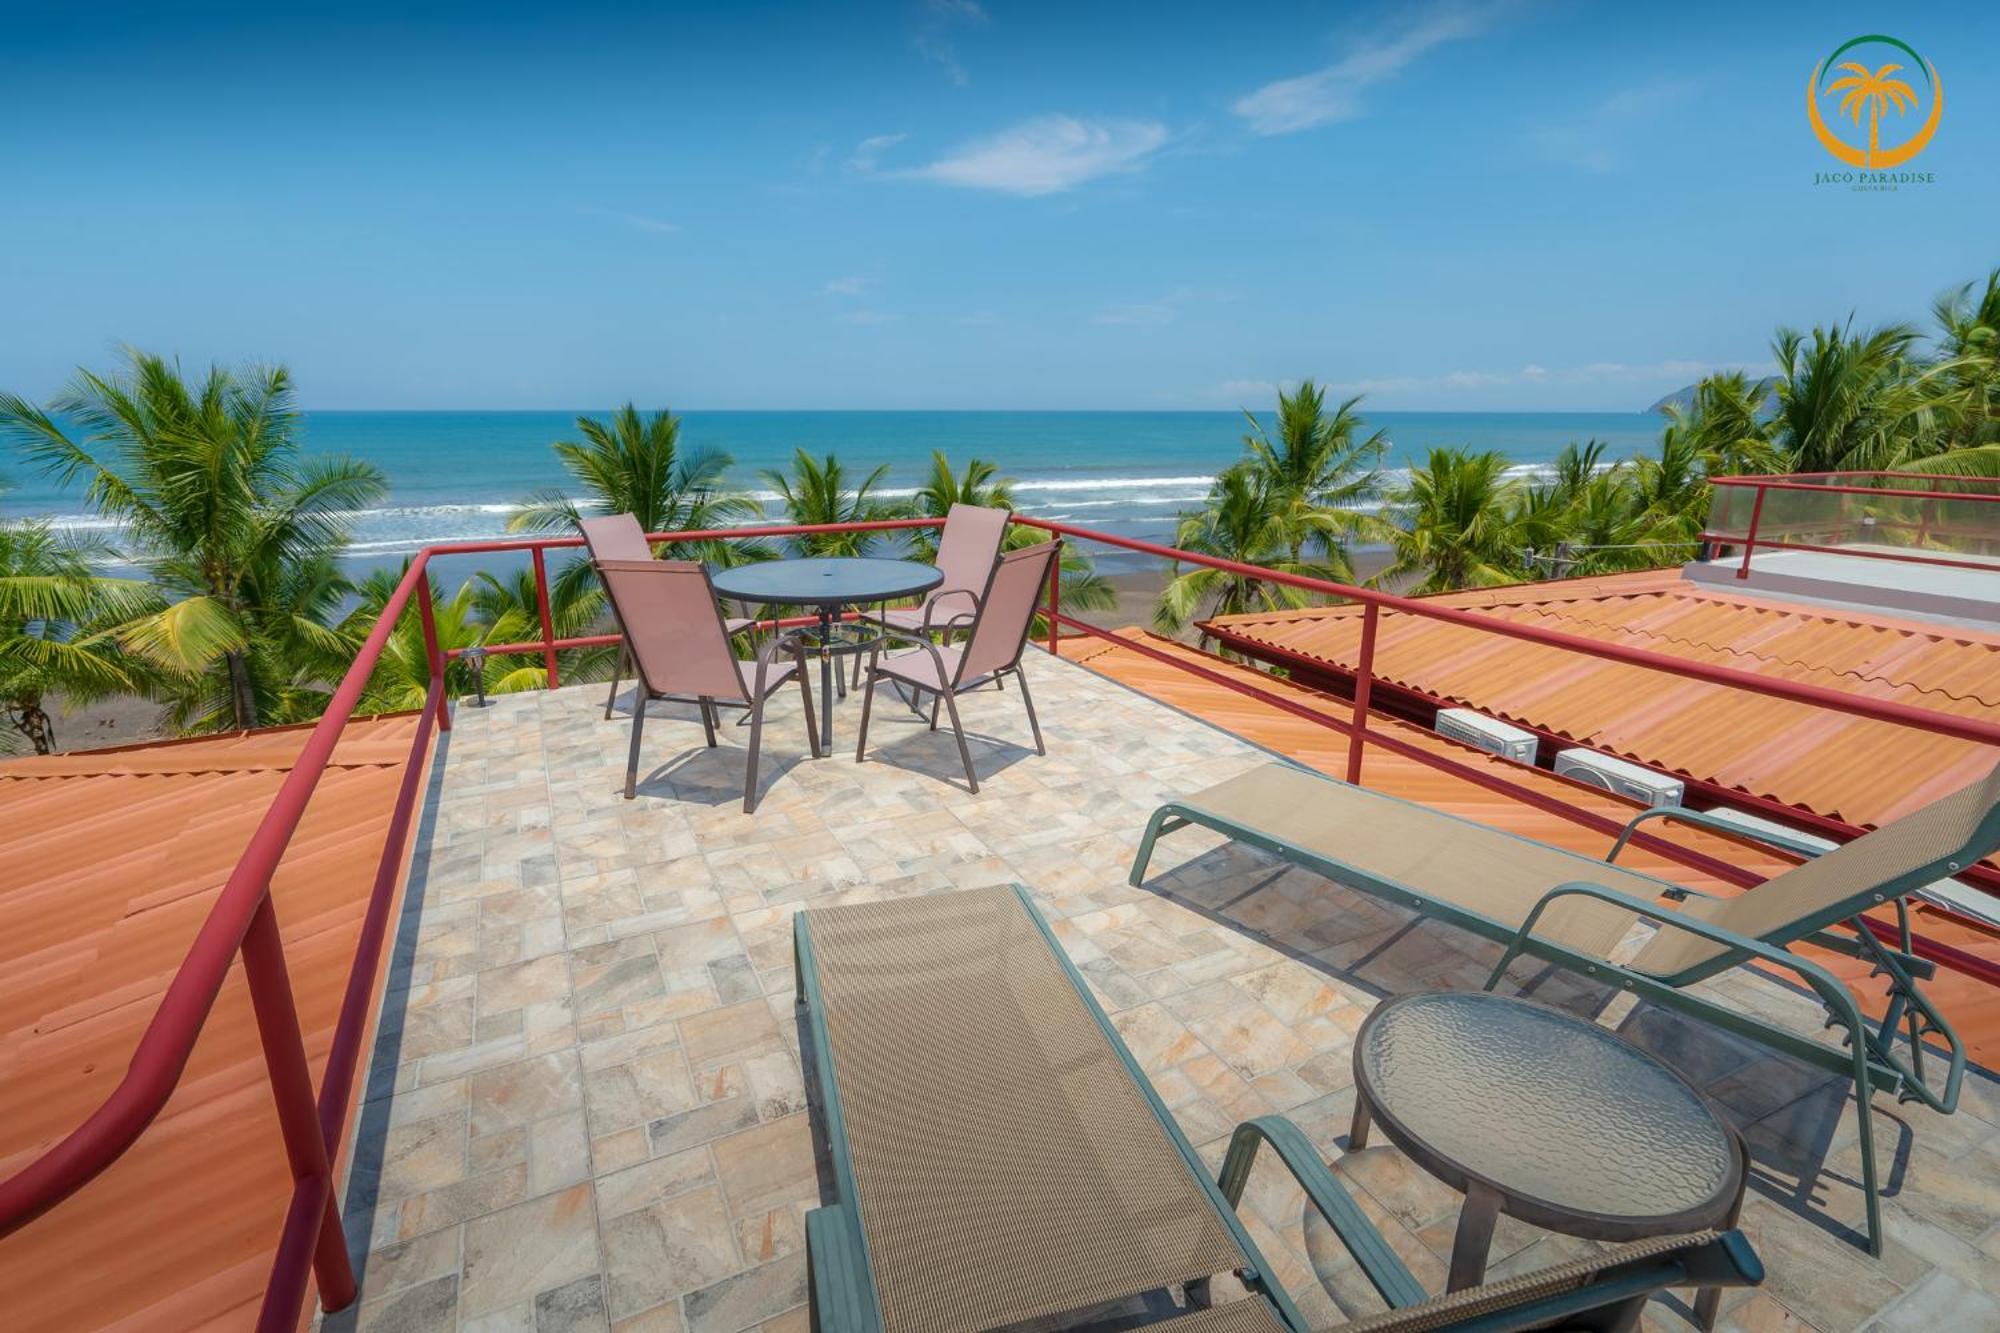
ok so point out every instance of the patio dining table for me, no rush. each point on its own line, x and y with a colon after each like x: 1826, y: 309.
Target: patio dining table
x: 828, y: 584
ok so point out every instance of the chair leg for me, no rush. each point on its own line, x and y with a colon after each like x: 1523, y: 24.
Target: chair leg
x: 867, y: 705
x: 1029, y: 701
x: 632, y: 757
x: 707, y: 707
x: 971, y: 778
x: 750, y: 767
x: 934, y: 710
x: 617, y: 670
x: 806, y: 693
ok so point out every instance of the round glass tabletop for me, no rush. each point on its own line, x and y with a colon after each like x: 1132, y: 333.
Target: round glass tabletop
x: 1551, y: 1110
x: 827, y: 581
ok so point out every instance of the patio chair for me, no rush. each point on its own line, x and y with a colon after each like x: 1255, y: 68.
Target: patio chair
x: 667, y: 611
x: 966, y: 550
x: 992, y: 649
x: 619, y: 537
x: 1572, y: 911
x: 1000, y: 1157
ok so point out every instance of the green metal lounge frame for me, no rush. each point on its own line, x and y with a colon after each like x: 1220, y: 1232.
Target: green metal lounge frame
x: 1571, y: 911
x: 970, y: 1197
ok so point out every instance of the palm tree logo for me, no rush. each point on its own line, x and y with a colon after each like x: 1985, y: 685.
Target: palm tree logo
x: 1873, y: 92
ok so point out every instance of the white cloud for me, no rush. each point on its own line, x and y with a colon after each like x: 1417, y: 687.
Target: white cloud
x: 1137, y: 313
x: 851, y: 286
x: 1334, y: 93
x: 659, y: 226
x: 932, y: 36
x: 1594, y: 140
x: 1047, y: 155
x: 870, y: 149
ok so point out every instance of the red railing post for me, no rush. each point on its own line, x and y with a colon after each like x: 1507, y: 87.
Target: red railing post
x: 548, y: 624
x: 1364, y: 679
x: 433, y: 650
x: 1750, y: 537
x: 1055, y: 598
x: 313, y: 1221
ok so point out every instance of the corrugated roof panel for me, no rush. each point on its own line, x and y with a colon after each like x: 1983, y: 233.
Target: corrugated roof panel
x: 109, y: 861
x: 1849, y: 768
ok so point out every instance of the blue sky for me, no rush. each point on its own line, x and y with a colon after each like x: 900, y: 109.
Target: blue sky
x: 1468, y: 204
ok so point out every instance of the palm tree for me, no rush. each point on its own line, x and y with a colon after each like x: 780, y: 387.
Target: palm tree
x: 56, y: 611
x: 506, y: 611
x: 224, y: 513
x: 1247, y: 521
x: 1318, y: 468
x: 636, y: 465
x: 817, y: 491
x: 1969, y: 344
x: 1458, y: 523
x: 1866, y: 401
x: 1874, y: 93
x: 402, y: 676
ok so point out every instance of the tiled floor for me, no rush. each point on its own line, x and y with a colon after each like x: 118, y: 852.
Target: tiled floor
x: 587, y: 1109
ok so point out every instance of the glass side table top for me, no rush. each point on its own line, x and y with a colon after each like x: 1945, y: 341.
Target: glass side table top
x: 827, y: 580
x: 1557, y: 1114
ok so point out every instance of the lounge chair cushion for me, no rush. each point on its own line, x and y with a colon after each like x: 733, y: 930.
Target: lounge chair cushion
x: 1006, y: 1166
x: 1413, y: 849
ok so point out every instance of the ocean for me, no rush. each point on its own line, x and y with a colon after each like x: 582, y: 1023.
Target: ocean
x: 456, y: 476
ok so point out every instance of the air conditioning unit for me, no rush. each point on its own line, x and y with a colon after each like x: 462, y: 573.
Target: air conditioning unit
x: 1487, y: 733
x: 1615, y: 775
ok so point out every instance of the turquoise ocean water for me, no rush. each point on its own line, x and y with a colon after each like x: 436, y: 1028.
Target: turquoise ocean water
x: 458, y: 475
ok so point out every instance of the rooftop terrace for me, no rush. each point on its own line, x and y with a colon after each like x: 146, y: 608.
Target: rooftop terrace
x: 572, y: 1096
x: 587, y: 1102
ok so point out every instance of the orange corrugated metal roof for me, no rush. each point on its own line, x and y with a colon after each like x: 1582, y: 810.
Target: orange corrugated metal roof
x: 109, y: 861
x: 1972, y: 1006
x: 1833, y: 764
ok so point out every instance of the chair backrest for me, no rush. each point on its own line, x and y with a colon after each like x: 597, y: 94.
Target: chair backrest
x: 1579, y: 1294
x: 615, y: 537
x: 969, y: 546
x: 1928, y: 844
x: 668, y: 613
x: 1007, y: 610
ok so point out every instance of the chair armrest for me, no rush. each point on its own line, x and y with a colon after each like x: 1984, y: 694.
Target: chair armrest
x: 1394, y: 1281
x: 1783, y: 841
x: 922, y: 641
x: 957, y: 618
x: 1823, y: 983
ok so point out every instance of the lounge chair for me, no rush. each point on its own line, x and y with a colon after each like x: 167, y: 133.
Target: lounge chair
x: 992, y: 651
x: 619, y: 537
x: 966, y: 550
x: 1572, y: 911
x: 1000, y: 1157
x: 667, y: 611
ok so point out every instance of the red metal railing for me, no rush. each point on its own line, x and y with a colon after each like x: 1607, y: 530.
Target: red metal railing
x: 243, y: 919
x: 1936, y: 491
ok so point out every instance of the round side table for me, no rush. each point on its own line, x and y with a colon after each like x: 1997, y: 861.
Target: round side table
x: 1533, y: 1112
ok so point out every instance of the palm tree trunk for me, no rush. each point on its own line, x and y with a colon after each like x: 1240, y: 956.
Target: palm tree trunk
x: 243, y: 702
